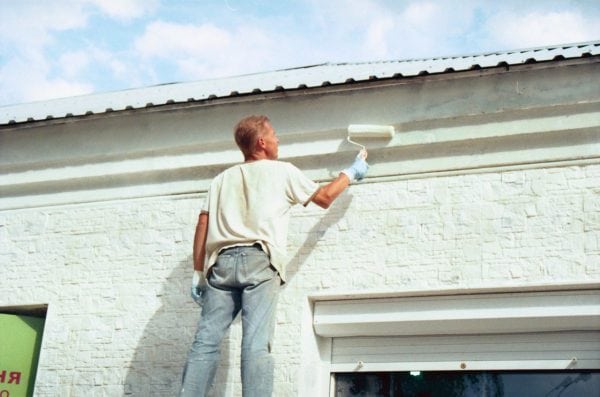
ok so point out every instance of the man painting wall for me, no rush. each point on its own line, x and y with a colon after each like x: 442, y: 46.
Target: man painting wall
x: 240, y: 250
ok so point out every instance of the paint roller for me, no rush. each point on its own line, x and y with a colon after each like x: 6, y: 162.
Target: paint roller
x: 369, y: 131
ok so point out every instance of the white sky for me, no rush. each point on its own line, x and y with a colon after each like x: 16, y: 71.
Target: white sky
x: 59, y: 48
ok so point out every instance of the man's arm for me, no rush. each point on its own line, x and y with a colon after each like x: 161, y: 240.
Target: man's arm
x: 200, y: 241
x: 328, y: 193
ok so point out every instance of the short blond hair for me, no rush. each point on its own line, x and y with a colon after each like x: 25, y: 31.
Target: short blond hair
x: 247, y: 131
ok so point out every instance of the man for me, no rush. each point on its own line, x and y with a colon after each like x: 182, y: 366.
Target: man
x: 242, y: 236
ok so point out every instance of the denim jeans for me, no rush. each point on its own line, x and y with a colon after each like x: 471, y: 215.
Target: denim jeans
x: 241, y: 279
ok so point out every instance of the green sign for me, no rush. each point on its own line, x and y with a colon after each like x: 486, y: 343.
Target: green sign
x: 20, y: 342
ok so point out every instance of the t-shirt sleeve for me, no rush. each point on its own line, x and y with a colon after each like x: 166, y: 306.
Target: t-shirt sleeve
x: 206, y: 202
x: 300, y: 189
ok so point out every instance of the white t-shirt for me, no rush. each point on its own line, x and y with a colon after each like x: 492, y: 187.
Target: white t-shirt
x: 250, y: 203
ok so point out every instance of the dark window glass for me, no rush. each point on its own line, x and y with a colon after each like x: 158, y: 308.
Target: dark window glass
x: 470, y: 384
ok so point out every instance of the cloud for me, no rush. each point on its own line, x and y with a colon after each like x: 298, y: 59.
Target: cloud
x: 404, y: 29
x: 27, y: 29
x: 419, y: 29
x: 34, y: 84
x: 513, y: 30
x: 49, y: 51
x: 164, y: 39
x: 421, y: 15
x: 381, y: 29
x: 37, y: 64
x: 29, y: 25
x: 125, y: 9
x: 73, y: 63
x: 207, y: 51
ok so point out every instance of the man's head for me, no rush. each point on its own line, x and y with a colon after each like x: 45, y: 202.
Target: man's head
x: 256, y: 138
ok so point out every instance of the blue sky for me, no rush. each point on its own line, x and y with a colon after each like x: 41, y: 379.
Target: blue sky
x: 58, y: 48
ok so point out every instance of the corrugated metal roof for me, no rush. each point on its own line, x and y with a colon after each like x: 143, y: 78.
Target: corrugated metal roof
x: 282, y: 80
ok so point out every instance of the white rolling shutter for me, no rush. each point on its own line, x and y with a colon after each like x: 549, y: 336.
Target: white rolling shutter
x: 483, y: 331
x: 560, y: 350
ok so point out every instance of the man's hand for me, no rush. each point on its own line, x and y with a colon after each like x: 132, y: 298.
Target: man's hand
x: 358, y: 169
x: 199, y: 285
x: 328, y: 193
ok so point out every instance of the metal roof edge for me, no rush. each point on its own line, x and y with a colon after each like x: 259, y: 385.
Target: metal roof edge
x: 309, y: 76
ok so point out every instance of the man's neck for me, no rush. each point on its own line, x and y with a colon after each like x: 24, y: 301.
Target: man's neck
x: 255, y: 157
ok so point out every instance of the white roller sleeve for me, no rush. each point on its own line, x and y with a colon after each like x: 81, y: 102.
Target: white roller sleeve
x: 371, y: 131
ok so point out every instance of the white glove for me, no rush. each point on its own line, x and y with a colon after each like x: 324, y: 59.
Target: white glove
x: 359, y: 167
x: 198, y: 286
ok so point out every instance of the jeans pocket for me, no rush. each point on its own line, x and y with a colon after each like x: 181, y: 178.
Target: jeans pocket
x: 222, y: 271
x: 259, y: 268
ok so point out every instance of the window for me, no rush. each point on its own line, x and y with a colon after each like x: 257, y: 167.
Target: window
x: 469, y: 384
x: 481, y: 343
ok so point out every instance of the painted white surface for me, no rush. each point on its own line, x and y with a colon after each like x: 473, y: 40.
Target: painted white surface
x: 460, y: 314
x: 116, y: 274
x: 521, y: 351
x: 505, y: 119
x: 98, y: 219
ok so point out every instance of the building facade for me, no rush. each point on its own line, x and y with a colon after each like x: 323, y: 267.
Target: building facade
x: 478, y: 224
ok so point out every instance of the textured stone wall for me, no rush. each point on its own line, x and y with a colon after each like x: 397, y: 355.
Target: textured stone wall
x: 116, y: 274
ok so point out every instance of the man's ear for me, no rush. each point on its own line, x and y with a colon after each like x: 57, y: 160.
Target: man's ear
x: 260, y: 142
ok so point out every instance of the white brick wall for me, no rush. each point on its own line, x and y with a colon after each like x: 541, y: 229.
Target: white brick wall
x: 116, y: 274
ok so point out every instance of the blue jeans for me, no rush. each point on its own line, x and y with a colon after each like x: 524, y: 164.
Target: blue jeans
x: 241, y: 279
